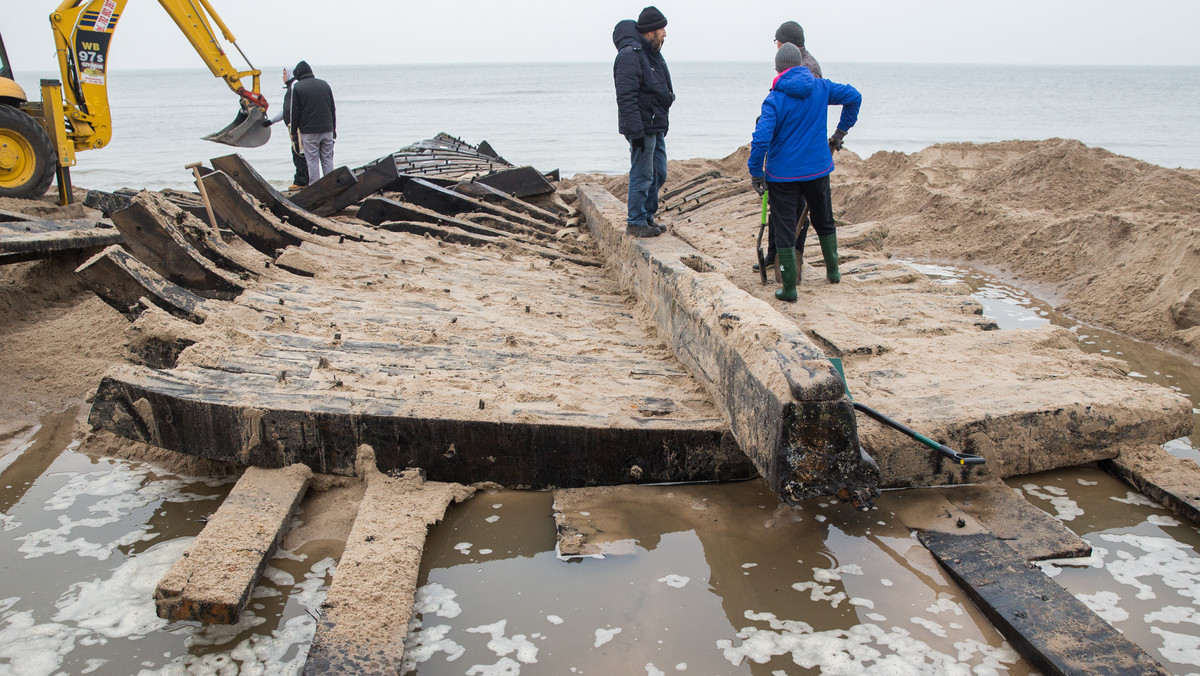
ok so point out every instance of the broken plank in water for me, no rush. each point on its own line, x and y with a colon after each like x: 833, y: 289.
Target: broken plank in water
x: 365, y: 616
x: 1171, y: 481
x: 213, y: 579
x: 1044, y: 622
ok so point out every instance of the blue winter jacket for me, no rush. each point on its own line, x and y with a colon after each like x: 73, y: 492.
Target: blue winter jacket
x: 791, y: 134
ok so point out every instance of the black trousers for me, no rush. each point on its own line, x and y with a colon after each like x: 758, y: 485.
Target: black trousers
x: 298, y: 161
x: 787, y: 199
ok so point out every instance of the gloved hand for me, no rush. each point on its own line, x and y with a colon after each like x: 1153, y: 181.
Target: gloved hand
x: 759, y: 183
x: 835, y: 141
x: 267, y: 123
x: 638, y: 143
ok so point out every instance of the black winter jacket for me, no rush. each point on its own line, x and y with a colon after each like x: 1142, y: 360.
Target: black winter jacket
x: 312, y: 108
x: 644, y: 91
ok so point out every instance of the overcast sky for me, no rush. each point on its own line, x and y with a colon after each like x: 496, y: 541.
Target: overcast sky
x: 347, y: 32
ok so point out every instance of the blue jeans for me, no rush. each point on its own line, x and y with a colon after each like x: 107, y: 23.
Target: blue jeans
x: 647, y: 173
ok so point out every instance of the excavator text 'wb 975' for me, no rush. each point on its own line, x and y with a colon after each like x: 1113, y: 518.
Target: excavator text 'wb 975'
x: 39, y: 139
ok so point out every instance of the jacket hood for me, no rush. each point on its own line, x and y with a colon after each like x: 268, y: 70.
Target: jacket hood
x: 302, y: 70
x: 795, y: 82
x: 625, y: 34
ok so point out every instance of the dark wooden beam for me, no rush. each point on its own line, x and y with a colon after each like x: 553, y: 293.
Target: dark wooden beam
x: 122, y: 281
x: 149, y: 226
x: 1045, y: 623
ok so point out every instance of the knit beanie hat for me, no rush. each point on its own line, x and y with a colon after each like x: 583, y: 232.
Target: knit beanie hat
x: 790, y: 31
x: 650, y: 20
x: 788, y: 56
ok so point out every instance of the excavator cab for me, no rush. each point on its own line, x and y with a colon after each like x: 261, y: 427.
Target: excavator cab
x: 5, y: 69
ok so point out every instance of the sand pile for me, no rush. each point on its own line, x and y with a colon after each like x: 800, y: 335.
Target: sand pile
x: 1115, y: 241
x: 1110, y: 240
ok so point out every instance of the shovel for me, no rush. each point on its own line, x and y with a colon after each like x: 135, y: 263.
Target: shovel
x: 942, y: 449
x: 762, y: 259
x: 247, y: 129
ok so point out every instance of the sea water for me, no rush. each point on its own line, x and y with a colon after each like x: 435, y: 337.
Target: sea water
x: 563, y: 116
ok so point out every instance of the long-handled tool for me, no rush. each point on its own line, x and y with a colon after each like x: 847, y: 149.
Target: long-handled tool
x: 801, y: 235
x: 195, y: 167
x: 762, y: 259
x: 942, y: 449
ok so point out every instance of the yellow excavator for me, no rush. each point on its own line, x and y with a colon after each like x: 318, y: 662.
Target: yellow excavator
x: 39, y: 139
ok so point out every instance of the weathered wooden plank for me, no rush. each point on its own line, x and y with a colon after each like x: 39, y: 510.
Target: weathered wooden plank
x: 14, y: 216
x: 478, y: 235
x: 122, y: 281
x: 1173, y: 482
x: 211, y: 417
x: 377, y: 210
x: 441, y: 200
x: 238, y: 169
x: 149, y: 227
x: 105, y: 202
x: 376, y: 178
x: 1047, y: 625
x: 326, y: 188
x: 33, y: 239
x: 363, y: 624
x: 996, y: 508
x: 514, y: 204
x: 213, y: 579
x: 518, y: 182
x: 261, y: 229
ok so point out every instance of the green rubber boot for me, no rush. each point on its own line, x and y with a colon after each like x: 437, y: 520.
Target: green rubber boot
x: 829, y: 252
x: 787, y: 270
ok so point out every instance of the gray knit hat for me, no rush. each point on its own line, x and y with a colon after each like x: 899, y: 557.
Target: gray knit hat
x: 790, y: 31
x: 788, y: 56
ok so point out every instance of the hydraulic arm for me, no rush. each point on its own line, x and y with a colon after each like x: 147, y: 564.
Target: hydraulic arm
x: 83, y: 31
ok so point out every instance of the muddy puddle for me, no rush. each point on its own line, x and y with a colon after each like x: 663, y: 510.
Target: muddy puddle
x: 708, y: 579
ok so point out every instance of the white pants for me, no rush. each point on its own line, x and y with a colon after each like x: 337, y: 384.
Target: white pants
x: 318, y: 152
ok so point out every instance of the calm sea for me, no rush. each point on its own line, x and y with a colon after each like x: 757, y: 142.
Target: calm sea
x: 564, y: 115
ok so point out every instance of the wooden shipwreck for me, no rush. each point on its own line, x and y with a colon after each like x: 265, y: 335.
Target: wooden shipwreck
x: 387, y: 332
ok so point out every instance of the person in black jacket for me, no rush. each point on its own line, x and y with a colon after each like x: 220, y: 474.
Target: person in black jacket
x: 644, y: 96
x: 300, y: 180
x: 314, y: 114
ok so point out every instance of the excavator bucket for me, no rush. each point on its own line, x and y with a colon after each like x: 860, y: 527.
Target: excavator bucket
x: 246, y: 131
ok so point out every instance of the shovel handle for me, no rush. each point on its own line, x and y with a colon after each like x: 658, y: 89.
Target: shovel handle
x: 942, y: 449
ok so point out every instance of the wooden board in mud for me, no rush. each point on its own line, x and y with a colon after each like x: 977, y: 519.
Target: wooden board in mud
x: 1045, y: 623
